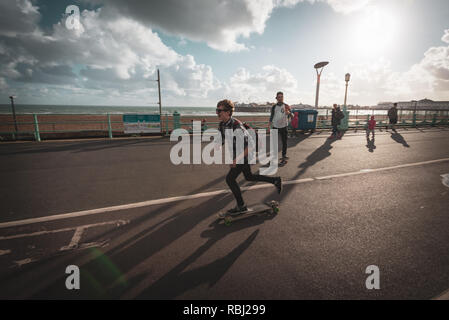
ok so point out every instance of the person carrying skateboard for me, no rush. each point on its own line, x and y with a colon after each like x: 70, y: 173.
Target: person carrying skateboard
x: 280, y: 112
x: 337, y: 115
x: 225, y: 109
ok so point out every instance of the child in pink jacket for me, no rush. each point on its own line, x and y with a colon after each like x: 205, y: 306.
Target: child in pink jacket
x: 371, y: 127
x: 294, y: 123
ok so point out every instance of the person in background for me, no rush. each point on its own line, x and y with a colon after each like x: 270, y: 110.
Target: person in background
x: 280, y: 113
x: 337, y: 115
x: 294, y: 123
x: 393, y: 116
x: 371, y: 127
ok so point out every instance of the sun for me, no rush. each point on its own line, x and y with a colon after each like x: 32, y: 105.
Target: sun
x: 374, y: 30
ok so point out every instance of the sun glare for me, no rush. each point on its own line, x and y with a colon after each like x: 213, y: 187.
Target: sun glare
x: 374, y: 31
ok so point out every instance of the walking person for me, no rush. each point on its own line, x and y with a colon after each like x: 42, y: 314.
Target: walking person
x: 224, y: 111
x: 337, y: 115
x: 393, y: 116
x: 280, y: 113
x: 371, y: 127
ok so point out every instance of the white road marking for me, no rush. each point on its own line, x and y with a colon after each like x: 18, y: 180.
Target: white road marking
x: 75, y: 239
x: 197, y: 196
x: 443, y: 296
x: 39, y: 233
x: 23, y: 262
x: 445, y: 179
x: 3, y: 252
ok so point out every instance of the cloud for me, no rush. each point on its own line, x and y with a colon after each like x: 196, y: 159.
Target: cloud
x: 429, y: 77
x: 18, y: 17
x: 261, y: 87
x: 445, y: 37
x: 347, y: 6
x: 376, y: 80
x: 108, y: 53
x: 219, y: 23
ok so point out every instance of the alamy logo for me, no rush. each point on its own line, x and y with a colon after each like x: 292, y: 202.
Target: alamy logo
x: 73, y: 17
x: 373, y: 281
x: 236, y: 141
x: 73, y: 280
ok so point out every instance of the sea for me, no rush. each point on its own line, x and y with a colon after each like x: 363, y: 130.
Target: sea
x: 183, y: 110
x: 74, y: 109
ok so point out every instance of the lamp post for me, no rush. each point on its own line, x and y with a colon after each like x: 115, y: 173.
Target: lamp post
x: 318, y: 66
x: 345, y: 122
x: 160, y: 101
x: 14, y: 112
x: 347, y: 77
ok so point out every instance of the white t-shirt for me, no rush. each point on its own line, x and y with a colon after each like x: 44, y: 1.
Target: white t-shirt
x: 280, y: 118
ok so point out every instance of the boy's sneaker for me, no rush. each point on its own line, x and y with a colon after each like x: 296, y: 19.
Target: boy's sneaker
x: 237, y: 211
x: 278, y: 184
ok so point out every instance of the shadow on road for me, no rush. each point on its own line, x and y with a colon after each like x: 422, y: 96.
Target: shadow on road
x: 177, y: 281
x: 399, y: 139
x: 370, y: 144
x: 112, y: 272
x: 318, y: 155
x: 76, y: 147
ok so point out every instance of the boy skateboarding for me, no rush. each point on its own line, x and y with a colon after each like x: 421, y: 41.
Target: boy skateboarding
x: 224, y: 111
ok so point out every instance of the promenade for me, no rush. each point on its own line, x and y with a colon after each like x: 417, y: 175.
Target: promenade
x: 140, y: 227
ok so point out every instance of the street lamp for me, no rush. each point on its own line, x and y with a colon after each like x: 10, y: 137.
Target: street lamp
x: 13, y: 112
x: 347, y: 77
x: 317, y: 66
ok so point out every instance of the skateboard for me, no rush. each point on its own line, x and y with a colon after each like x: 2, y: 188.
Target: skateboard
x: 258, y: 209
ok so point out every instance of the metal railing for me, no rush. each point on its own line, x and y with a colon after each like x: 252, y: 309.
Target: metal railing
x: 39, y: 126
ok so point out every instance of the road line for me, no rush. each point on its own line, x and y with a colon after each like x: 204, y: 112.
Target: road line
x: 75, y: 239
x: 199, y: 195
x: 443, y: 296
x: 87, y: 226
x: 3, y: 252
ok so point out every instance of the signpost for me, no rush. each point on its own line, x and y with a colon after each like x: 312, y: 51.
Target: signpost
x: 142, y: 123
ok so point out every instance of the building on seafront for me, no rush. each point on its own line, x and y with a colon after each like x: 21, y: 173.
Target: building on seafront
x: 424, y: 104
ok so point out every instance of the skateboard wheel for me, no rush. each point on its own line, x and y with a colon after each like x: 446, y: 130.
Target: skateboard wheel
x: 227, y: 222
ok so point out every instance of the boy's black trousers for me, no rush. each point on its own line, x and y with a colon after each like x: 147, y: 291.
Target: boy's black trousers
x: 249, y: 176
x: 284, y: 133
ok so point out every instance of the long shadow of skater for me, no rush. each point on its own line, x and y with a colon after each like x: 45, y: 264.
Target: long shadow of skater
x: 399, y: 139
x: 370, y: 144
x: 293, y: 141
x: 318, y: 155
x: 134, y: 248
x: 176, y: 282
x: 172, y: 280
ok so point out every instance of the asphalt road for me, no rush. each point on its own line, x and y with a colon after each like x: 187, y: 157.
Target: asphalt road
x: 318, y: 247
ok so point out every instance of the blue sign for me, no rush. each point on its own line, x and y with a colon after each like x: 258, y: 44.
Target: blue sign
x: 141, y: 123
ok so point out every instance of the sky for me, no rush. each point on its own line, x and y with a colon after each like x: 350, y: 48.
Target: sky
x: 209, y: 50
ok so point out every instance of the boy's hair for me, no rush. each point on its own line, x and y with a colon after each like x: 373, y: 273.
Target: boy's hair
x: 279, y: 92
x: 227, y: 104
x: 395, y: 104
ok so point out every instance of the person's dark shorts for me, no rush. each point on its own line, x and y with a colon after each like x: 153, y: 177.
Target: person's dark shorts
x: 393, y: 121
